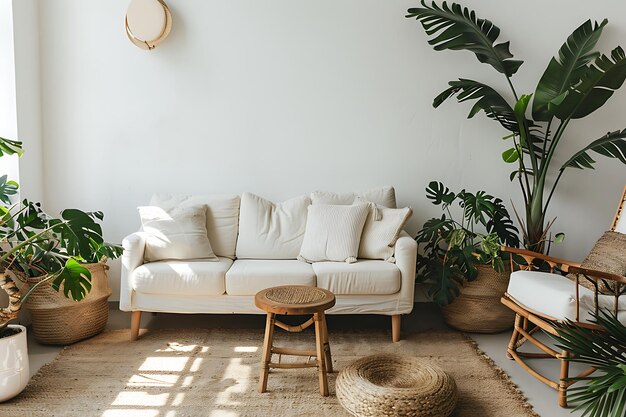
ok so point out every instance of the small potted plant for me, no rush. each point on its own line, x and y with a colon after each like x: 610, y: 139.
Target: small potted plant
x: 55, y: 249
x: 461, y: 261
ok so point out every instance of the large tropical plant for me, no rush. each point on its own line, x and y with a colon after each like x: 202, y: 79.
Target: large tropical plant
x: 34, y: 244
x: 604, y: 392
x: 452, y: 245
x: 577, y: 82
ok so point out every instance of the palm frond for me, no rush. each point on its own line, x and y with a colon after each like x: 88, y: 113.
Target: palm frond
x: 457, y: 28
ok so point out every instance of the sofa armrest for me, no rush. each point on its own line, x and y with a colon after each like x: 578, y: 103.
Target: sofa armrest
x: 132, y: 257
x: 406, y: 258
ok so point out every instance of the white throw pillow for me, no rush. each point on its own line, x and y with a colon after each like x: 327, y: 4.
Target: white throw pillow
x: 333, y: 233
x: 383, y: 196
x: 271, y: 230
x: 381, y: 231
x: 179, y: 233
x: 222, y: 217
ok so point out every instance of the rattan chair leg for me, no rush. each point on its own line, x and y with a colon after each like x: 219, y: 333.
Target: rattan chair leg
x: 514, y: 337
x: 267, y: 351
x: 563, y: 383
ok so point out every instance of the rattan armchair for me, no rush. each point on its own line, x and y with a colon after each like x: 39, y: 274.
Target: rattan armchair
x: 541, y: 295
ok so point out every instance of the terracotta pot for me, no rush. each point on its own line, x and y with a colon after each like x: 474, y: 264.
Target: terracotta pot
x: 478, y: 309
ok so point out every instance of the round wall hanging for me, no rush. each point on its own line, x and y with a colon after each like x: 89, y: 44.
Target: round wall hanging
x: 148, y: 22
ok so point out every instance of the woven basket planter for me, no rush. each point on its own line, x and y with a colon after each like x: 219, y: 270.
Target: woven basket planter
x: 478, y: 309
x: 391, y: 385
x: 58, y: 320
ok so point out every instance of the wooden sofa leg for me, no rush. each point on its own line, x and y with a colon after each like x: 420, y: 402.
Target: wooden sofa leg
x: 135, y: 322
x: 395, y: 327
x: 563, y: 383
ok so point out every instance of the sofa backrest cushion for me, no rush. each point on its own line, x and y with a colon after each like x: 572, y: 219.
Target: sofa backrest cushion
x: 270, y: 230
x: 383, y: 196
x: 179, y: 233
x: 222, y: 217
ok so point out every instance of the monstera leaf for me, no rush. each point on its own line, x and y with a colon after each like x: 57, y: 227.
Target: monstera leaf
x: 10, y: 147
x: 611, y: 145
x: 75, y: 279
x: 7, y: 189
x: 457, y: 28
x: 439, y: 194
x: 568, y: 69
x: 78, y: 231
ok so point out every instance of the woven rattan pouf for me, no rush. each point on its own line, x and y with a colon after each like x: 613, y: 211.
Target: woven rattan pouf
x: 392, y: 385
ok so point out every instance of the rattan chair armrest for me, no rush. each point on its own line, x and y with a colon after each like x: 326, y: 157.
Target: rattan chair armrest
x: 596, y: 274
x: 537, y: 255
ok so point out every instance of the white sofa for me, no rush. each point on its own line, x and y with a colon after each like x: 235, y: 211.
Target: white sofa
x: 229, y: 285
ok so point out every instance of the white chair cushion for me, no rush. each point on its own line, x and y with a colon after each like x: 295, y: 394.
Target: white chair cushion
x: 381, y: 230
x: 194, y: 277
x: 249, y: 276
x: 222, y: 217
x: 271, y: 230
x: 383, y: 196
x: 555, y: 296
x: 179, y: 233
x: 333, y: 233
x: 364, y: 277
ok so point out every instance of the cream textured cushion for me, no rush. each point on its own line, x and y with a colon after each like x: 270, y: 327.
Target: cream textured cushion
x: 333, y: 233
x: 360, y: 278
x: 382, y: 228
x: 176, y: 234
x: 249, y: 276
x: 555, y: 295
x: 193, y: 277
x: 271, y: 230
x: 383, y: 196
x: 222, y: 217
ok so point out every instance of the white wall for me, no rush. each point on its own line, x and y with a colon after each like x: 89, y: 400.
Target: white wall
x: 282, y: 97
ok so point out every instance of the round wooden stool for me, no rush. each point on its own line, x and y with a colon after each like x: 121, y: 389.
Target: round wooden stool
x: 296, y: 300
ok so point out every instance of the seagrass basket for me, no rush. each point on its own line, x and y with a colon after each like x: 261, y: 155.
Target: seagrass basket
x: 58, y: 320
x: 478, y: 309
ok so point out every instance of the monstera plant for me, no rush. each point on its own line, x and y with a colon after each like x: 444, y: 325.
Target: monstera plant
x: 453, y: 245
x: 576, y: 83
x: 33, y: 244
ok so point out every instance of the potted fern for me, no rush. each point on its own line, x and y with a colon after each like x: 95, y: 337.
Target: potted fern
x: 576, y: 83
x: 460, y: 258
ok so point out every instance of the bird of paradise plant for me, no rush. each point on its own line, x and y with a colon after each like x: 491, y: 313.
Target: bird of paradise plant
x: 576, y: 83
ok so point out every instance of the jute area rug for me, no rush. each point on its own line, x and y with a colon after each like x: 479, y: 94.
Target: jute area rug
x: 209, y: 372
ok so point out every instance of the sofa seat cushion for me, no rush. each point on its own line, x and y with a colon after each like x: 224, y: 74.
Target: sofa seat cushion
x: 191, y: 277
x: 555, y: 296
x: 249, y: 276
x: 363, y: 277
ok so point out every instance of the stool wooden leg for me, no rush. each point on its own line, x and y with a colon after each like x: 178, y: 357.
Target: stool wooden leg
x: 321, y: 356
x: 267, y: 351
x: 327, y: 355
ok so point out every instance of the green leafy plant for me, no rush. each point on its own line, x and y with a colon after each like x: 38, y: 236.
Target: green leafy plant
x: 576, y: 83
x: 34, y: 244
x: 604, y: 394
x: 450, y: 249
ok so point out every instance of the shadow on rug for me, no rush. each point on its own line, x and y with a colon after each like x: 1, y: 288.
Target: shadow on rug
x: 174, y: 373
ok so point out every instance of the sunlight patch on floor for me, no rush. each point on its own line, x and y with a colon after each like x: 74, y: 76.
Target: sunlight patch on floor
x: 237, y: 375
